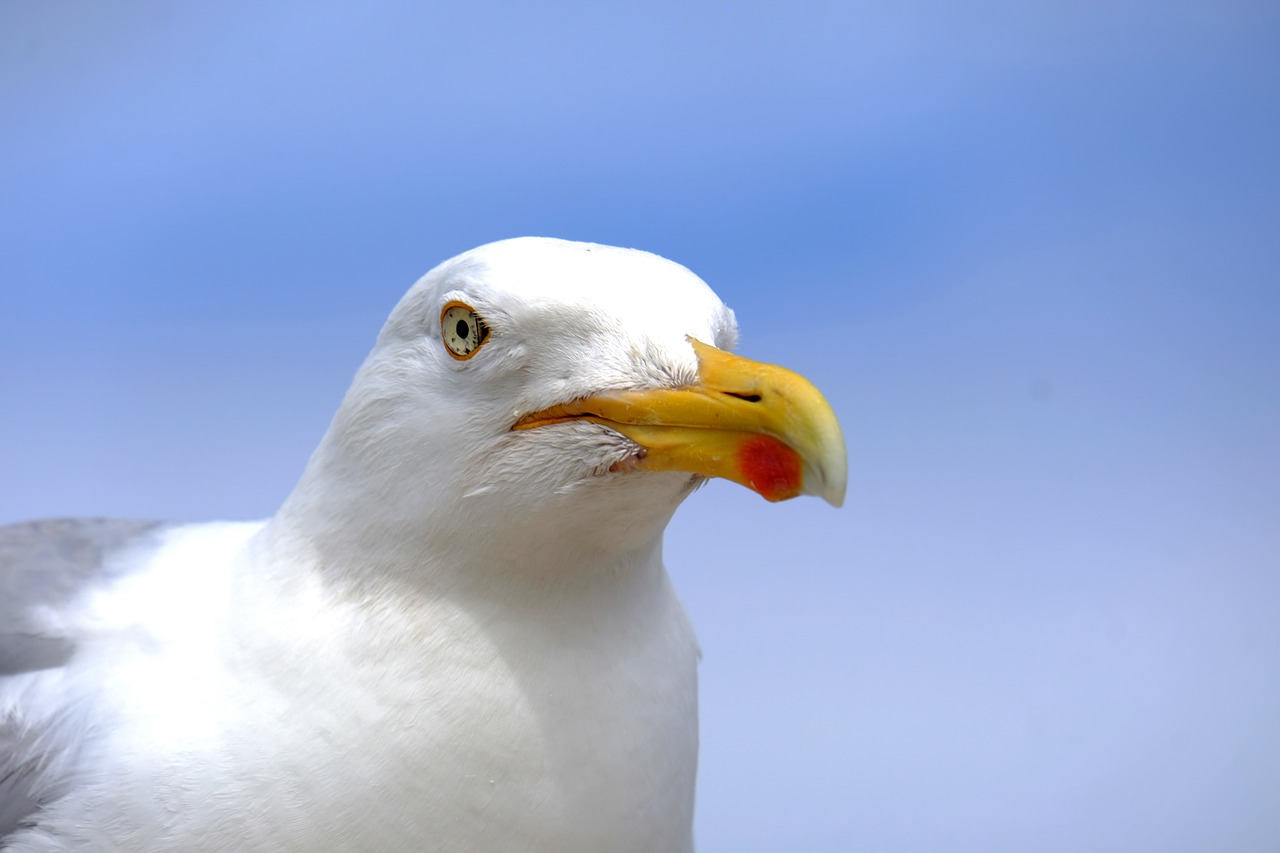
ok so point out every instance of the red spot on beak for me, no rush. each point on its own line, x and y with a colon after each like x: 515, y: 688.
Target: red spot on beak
x: 772, y: 468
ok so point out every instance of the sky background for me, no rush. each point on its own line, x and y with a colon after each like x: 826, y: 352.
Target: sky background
x: 1031, y: 252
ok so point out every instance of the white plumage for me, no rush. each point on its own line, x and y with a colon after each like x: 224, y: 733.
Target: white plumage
x: 454, y: 635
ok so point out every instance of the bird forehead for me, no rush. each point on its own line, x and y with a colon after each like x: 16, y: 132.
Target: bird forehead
x: 592, y: 278
x: 563, y: 288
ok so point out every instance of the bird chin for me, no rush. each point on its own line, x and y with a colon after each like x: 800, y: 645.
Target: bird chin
x: 628, y: 463
x: 631, y: 463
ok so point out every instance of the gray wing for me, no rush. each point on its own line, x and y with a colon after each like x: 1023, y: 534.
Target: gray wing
x: 46, y: 565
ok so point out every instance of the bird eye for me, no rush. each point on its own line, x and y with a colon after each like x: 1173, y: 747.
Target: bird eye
x: 463, y: 330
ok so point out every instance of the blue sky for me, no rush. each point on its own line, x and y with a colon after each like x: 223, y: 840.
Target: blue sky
x: 1035, y: 249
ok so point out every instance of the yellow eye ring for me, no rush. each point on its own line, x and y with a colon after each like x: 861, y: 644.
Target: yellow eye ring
x: 462, y: 329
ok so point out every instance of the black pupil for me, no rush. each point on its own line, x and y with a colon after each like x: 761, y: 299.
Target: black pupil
x: 463, y: 330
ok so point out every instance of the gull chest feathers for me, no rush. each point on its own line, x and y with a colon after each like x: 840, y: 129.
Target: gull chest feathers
x: 457, y: 633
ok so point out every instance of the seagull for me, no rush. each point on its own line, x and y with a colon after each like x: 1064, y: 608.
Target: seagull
x: 457, y: 633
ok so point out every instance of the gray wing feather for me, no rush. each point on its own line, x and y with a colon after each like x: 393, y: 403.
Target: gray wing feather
x: 21, y: 653
x: 45, y: 565
x: 48, y: 564
x: 36, y: 767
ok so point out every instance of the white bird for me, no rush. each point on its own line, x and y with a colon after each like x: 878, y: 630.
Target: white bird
x: 457, y: 633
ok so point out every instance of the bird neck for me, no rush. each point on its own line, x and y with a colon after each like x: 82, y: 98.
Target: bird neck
x: 563, y: 702
x: 356, y: 533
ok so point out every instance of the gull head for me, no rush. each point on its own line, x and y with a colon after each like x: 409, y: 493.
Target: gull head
x: 536, y: 379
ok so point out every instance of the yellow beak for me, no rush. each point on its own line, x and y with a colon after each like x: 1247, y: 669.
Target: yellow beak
x: 756, y: 424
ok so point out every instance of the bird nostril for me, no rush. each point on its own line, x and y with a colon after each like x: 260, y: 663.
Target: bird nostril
x: 750, y: 398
